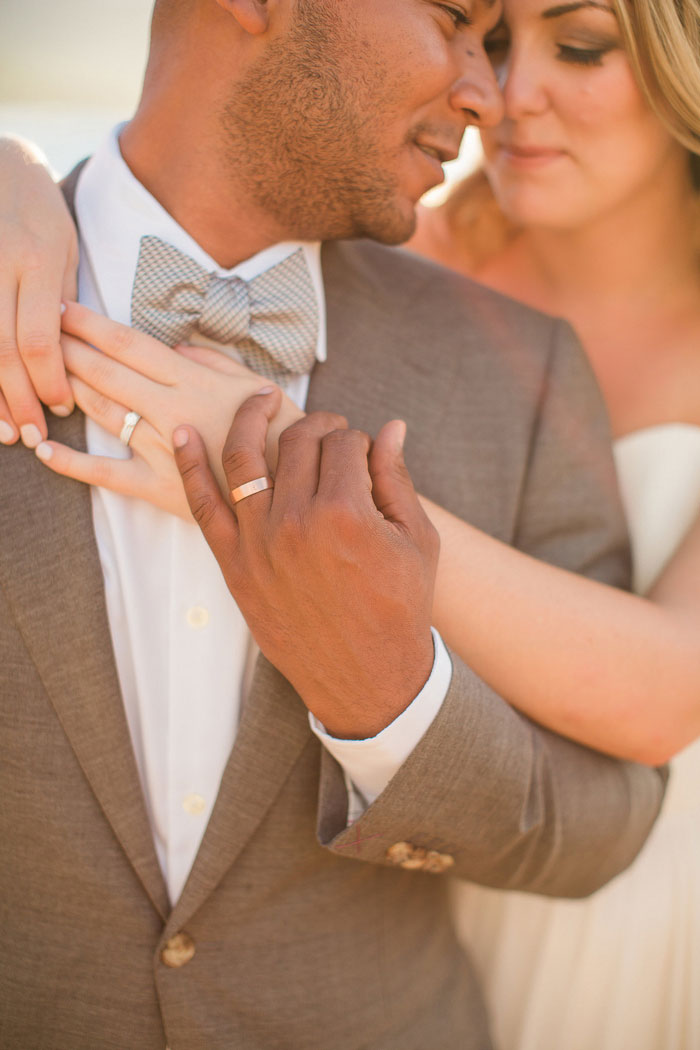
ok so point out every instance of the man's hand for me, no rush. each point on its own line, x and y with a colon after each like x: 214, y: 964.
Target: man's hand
x: 333, y: 569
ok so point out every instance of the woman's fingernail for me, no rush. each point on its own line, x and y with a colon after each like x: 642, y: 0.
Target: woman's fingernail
x: 44, y: 451
x: 31, y: 435
x: 400, y: 435
x: 180, y: 437
x: 60, y: 410
x: 63, y: 308
x: 7, y: 433
x: 264, y: 390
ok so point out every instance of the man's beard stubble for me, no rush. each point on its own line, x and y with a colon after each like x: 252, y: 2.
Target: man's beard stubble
x: 302, y: 139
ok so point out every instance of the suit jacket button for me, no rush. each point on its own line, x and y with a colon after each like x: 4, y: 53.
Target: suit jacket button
x: 436, y: 862
x: 406, y: 856
x: 178, y: 950
x: 417, y: 858
x: 399, y: 853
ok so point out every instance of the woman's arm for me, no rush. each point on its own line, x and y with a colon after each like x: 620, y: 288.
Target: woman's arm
x: 612, y: 670
x: 37, y: 269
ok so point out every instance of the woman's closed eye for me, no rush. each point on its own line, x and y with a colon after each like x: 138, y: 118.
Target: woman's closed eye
x: 583, y: 56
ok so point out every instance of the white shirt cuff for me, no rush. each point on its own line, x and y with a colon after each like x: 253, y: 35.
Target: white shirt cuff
x: 370, y: 764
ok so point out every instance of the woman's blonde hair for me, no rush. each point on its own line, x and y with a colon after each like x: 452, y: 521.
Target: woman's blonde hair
x: 662, y: 42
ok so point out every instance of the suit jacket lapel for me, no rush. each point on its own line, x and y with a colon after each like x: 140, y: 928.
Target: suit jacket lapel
x: 274, y: 727
x: 56, y: 589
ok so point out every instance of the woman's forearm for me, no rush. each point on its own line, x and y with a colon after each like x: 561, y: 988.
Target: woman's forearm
x: 612, y: 670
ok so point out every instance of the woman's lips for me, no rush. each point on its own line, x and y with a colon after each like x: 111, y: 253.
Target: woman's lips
x: 529, y: 156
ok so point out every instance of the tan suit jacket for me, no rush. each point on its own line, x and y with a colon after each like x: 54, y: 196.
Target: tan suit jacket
x: 306, y: 936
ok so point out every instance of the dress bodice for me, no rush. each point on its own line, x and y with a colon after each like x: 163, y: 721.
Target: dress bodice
x: 621, y: 968
x: 659, y: 471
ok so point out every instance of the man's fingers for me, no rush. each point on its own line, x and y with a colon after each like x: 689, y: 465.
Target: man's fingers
x: 132, y: 348
x: 392, y: 487
x: 209, y: 508
x: 299, y: 459
x: 243, y: 457
x: 38, y: 331
x: 343, y: 477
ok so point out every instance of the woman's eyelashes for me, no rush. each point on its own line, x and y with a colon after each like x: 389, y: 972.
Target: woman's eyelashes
x: 498, y: 46
x: 583, y: 56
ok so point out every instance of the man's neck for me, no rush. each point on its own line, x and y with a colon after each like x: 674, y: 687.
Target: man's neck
x: 192, y: 183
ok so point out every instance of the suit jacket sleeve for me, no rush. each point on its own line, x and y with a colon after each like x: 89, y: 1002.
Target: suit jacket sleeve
x: 515, y: 805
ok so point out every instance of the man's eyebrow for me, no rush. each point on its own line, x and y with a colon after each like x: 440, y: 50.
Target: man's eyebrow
x: 565, y: 9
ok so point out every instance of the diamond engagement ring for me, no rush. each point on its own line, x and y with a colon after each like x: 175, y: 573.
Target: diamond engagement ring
x: 258, y: 485
x: 128, y: 426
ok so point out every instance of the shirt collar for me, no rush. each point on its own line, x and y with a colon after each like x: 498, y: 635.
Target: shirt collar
x: 115, y: 211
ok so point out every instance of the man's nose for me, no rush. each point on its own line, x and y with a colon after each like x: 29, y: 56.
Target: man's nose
x: 477, y: 93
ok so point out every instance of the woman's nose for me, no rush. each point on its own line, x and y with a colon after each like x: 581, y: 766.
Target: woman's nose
x: 522, y: 85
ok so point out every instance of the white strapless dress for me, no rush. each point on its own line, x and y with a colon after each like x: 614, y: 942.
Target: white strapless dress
x: 621, y: 969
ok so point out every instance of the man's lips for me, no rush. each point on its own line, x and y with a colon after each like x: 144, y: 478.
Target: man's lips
x: 436, y: 154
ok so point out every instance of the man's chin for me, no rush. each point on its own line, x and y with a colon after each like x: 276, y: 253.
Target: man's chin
x: 394, y: 226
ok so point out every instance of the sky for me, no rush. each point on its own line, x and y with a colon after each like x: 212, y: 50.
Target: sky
x: 69, y: 70
x: 74, y: 52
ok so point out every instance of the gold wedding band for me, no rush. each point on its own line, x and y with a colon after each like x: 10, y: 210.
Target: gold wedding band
x: 257, y: 485
x: 128, y: 427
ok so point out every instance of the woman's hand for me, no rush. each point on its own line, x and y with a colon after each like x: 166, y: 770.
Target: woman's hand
x: 38, y: 268
x: 134, y: 372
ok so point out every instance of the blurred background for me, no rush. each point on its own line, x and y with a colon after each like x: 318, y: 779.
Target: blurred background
x: 71, y: 69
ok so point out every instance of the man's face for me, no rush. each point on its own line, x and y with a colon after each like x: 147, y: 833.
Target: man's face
x: 343, y: 123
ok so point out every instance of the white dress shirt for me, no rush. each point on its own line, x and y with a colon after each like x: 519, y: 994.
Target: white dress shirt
x: 183, y: 652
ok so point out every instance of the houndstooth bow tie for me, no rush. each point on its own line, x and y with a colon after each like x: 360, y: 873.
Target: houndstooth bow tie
x: 272, y: 319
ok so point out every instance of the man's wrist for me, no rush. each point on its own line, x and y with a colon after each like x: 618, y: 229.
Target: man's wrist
x: 372, y: 762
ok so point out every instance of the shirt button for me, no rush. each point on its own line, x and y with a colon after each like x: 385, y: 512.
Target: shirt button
x: 178, y: 951
x: 193, y: 804
x: 197, y: 617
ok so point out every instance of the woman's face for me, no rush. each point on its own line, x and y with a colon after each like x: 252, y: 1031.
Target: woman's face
x: 578, y: 139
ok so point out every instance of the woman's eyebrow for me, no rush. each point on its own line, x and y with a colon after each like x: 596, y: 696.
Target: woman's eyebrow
x: 565, y: 9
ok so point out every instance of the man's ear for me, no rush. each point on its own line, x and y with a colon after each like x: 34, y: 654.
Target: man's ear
x: 251, y: 15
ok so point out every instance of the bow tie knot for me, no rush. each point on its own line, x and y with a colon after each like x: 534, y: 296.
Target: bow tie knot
x: 270, y: 320
x: 225, y: 315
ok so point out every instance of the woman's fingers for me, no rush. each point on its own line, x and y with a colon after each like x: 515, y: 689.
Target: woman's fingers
x: 24, y: 413
x: 132, y: 348
x: 8, y: 430
x: 39, y: 254
x: 110, y: 415
x: 113, y: 380
x: 150, y: 475
x: 38, y: 338
x: 218, y: 361
x: 119, y: 475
